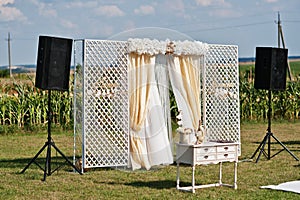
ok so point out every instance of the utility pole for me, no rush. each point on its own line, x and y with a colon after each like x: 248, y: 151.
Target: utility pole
x: 9, y: 55
x: 278, y: 29
x: 281, y: 40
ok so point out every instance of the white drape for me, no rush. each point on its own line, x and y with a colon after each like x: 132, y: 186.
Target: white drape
x: 185, y: 80
x: 148, y: 86
x: 163, y: 84
x: 149, y: 143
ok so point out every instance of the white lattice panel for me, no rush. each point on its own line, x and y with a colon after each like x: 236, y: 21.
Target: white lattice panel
x: 105, y: 104
x: 101, y: 100
x: 221, y: 93
x: 78, y: 99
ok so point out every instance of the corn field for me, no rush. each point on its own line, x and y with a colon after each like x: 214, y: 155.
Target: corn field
x: 23, y: 105
x: 254, y: 104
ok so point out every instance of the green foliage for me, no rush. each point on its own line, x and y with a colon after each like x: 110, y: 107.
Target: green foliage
x: 26, y: 106
x: 295, y: 69
x: 284, y: 104
x: 254, y: 103
x: 4, y: 73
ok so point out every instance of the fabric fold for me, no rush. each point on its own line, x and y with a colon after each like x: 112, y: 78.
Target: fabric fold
x: 150, y: 71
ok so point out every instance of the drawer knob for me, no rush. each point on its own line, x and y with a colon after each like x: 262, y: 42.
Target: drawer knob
x: 206, y: 149
x: 225, y: 155
x: 226, y: 148
x: 205, y: 157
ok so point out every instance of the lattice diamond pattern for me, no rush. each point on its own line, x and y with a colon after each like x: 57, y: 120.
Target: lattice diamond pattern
x: 105, y: 100
x: 105, y: 140
x: 221, y: 94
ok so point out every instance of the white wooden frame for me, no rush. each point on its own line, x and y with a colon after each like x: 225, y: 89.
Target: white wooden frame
x: 219, y: 93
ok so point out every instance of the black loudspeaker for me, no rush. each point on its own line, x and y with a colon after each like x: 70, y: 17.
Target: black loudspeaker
x: 53, y: 63
x: 270, y: 68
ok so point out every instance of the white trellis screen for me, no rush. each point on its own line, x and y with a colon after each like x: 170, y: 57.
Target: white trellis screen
x: 104, y: 99
x: 221, y: 94
x: 101, y: 100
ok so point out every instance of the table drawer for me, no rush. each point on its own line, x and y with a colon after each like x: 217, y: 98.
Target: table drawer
x: 205, y: 157
x: 226, y: 156
x: 206, y: 150
x: 222, y: 149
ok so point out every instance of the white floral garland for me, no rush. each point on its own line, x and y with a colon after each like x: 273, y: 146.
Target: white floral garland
x: 190, y: 48
x: 153, y: 47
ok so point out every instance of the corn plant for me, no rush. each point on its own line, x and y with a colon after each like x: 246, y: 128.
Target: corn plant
x: 22, y: 104
x: 254, y: 103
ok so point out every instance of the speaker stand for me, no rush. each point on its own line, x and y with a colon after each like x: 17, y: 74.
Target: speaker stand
x: 267, y: 139
x: 48, y: 144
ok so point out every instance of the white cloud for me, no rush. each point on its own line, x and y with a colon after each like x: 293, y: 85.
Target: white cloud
x: 212, y: 2
x: 175, y: 5
x: 224, y: 13
x: 67, y: 24
x: 144, y: 10
x: 79, y: 4
x: 44, y: 9
x: 129, y: 25
x: 223, y: 8
x: 204, y: 2
x: 5, y: 2
x: 105, y: 31
x: 109, y: 11
x: 9, y: 13
x: 271, y: 1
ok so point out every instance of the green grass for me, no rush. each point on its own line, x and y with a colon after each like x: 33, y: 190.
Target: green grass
x: 295, y: 68
x: 159, y: 183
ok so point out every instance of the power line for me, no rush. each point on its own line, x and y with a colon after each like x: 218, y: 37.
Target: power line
x: 219, y: 20
x: 229, y: 27
x: 24, y: 39
x: 293, y: 21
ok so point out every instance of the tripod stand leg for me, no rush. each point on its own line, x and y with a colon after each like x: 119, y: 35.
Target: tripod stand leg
x: 258, y: 148
x: 49, y: 143
x: 285, y: 148
x: 69, y: 162
x: 262, y: 147
x: 34, y: 158
x: 47, y: 170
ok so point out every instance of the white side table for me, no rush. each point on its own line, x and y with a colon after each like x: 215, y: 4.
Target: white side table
x: 203, y: 154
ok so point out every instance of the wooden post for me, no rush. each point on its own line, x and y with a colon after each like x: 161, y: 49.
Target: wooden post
x: 9, y: 55
x: 280, y: 37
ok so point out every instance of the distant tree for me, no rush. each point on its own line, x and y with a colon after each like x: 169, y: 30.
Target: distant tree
x: 4, y: 73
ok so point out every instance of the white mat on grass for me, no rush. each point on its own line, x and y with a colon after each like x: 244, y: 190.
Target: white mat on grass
x: 293, y: 186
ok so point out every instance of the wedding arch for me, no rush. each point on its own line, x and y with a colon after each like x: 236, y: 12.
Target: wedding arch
x: 121, y: 98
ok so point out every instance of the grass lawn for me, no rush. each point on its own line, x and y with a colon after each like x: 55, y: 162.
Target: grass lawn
x: 158, y: 183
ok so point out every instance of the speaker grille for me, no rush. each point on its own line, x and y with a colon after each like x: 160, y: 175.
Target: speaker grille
x: 53, y: 63
x: 270, y: 68
x: 279, y: 68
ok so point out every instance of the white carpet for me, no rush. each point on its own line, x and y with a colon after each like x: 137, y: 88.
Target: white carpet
x: 293, y: 186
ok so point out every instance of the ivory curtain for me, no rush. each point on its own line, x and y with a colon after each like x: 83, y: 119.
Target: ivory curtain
x: 140, y: 73
x: 139, y: 89
x: 185, y: 76
x: 149, y: 143
x: 148, y: 86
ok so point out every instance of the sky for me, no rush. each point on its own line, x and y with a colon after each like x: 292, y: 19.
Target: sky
x: 245, y: 23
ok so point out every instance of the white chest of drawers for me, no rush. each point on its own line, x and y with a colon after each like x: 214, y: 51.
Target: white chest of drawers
x: 203, y: 154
